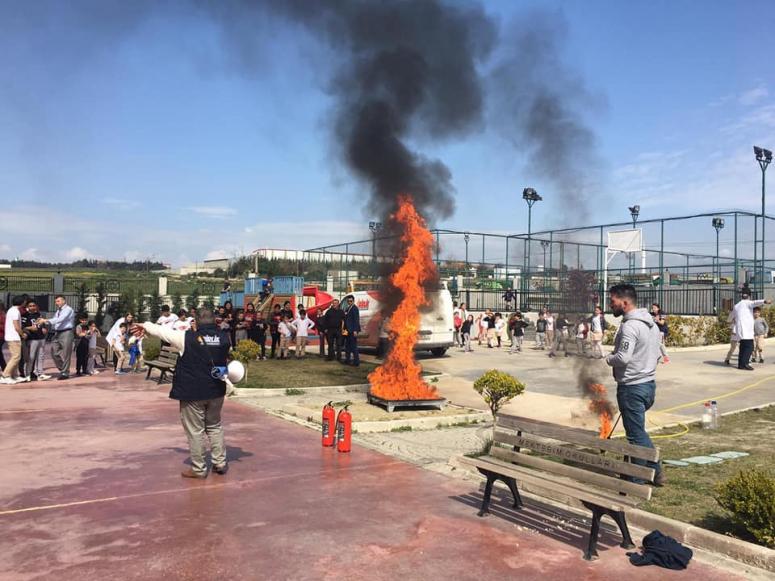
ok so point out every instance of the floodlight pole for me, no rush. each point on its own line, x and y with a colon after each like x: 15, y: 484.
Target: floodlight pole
x: 764, y: 157
x: 531, y: 197
x: 634, y: 212
x: 466, y: 237
x: 718, y: 224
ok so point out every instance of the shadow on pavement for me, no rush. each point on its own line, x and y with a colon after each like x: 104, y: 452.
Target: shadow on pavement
x: 547, y: 520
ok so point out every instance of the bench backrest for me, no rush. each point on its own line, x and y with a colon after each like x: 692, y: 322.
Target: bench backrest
x: 573, y: 453
x: 168, y: 355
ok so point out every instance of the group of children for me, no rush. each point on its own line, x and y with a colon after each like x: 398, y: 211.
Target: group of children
x: 556, y: 332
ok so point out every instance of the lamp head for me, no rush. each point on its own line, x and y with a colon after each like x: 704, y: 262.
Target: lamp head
x: 531, y: 195
x: 762, y: 154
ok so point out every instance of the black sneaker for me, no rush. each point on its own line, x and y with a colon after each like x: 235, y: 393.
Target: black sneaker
x: 63, y: 376
x: 221, y: 469
x: 761, y: 360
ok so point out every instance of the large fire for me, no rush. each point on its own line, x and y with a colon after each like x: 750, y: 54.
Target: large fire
x: 398, y: 378
x: 600, y: 405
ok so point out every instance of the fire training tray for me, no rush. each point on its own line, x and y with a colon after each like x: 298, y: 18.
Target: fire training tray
x: 392, y: 404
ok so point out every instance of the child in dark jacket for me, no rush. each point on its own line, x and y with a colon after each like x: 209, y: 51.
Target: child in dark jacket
x: 465, y: 331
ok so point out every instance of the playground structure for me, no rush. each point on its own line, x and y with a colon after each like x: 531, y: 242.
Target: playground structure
x: 672, y: 261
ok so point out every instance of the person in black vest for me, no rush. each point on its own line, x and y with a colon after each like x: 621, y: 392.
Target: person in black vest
x: 197, y: 388
x: 332, y: 322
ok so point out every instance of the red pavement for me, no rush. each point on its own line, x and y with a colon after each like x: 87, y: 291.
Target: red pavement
x: 91, y: 490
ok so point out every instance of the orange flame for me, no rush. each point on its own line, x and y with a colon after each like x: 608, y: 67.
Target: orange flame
x: 398, y: 378
x: 600, y: 405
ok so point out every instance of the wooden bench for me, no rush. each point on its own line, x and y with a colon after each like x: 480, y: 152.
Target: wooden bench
x: 570, y: 465
x: 165, y: 363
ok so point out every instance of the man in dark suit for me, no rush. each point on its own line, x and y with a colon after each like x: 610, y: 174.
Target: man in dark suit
x: 332, y: 323
x: 352, y: 326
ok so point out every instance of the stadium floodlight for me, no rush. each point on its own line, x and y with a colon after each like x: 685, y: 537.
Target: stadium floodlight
x: 634, y: 212
x: 531, y: 197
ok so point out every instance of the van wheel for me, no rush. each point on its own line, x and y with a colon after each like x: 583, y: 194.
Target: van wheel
x: 439, y: 351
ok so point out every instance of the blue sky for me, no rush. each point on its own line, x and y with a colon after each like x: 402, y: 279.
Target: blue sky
x: 144, y: 138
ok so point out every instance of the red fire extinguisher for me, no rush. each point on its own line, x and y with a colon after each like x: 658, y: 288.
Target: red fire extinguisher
x: 329, y: 431
x: 344, y: 430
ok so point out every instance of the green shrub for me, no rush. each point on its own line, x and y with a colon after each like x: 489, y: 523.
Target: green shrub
x: 151, y: 348
x: 750, y: 497
x: 498, y: 388
x: 609, y: 334
x: 246, y: 351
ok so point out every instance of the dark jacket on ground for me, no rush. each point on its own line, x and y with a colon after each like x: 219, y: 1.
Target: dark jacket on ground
x: 205, y: 348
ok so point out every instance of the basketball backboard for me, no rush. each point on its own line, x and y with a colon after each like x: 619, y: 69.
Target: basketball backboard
x: 625, y: 240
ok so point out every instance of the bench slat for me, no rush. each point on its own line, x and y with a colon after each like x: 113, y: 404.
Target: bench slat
x: 597, y: 460
x: 601, y: 480
x: 575, y: 436
x: 551, y: 489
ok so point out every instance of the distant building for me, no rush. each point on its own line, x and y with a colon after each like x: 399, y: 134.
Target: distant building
x: 308, y: 256
x: 206, y: 266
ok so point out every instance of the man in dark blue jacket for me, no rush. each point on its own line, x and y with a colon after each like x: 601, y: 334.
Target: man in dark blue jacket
x: 198, y: 389
x: 352, y: 326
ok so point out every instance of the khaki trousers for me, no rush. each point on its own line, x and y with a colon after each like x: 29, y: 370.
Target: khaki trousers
x: 301, y: 345
x: 200, y: 419
x: 12, y: 367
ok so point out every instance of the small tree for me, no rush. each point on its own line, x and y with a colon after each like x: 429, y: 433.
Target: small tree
x: 102, y: 297
x: 192, y: 300
x: 177, y: 302
x: 154, y: 306
x: 498, y: 388
x: 245, y: 352
x: 83, y: 298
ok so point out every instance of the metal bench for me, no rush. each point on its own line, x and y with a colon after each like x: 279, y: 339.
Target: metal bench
x: 569, y: 465
x: 165, y: 363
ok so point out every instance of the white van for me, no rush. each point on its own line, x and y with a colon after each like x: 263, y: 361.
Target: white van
x: 436, y: 322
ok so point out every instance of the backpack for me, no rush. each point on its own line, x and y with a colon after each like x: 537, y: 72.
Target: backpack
x: 458, y: 321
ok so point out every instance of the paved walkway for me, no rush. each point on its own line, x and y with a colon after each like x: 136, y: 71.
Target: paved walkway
x: 91, y: 490
x: 552, y: 391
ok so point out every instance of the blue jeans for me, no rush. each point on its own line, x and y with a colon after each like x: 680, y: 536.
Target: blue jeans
x: 633, y: 402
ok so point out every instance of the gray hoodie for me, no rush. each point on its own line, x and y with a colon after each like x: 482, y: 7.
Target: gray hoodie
x: 637, y: 349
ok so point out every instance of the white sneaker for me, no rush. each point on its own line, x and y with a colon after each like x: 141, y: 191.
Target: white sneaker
x: 23, y: 379
x: 6, y: 380
x: 43, y: 377
x: 95, y: 372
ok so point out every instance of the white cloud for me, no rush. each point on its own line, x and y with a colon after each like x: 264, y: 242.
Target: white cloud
x: 216, y: 255
x: 753, y: 96
x: 214, y: 211
x: 5, y: 249
x: 120, y: 203
x: 77, y: 253
x: 30, y: 254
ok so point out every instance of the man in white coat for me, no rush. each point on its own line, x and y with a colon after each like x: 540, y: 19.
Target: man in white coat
x: 744, y: 327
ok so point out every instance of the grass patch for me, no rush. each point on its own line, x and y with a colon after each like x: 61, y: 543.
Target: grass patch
x: 298, y: 374
x: 294, y: 391
x: 483, y: 451
x: 689, y: 493
x: 402, y: 429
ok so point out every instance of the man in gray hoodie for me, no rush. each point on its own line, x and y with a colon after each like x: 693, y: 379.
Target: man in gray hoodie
x: 637, y: 351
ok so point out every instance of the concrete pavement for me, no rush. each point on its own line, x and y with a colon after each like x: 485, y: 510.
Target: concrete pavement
x: 92, y: 490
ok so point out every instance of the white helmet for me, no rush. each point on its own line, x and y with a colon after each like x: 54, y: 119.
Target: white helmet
x: 236, y: 371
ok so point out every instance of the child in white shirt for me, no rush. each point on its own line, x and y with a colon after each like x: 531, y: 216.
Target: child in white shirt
x: 302, y: 325
x: 284, y: 328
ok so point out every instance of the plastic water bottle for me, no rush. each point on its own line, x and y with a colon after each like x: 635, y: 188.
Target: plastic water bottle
x: 714, y: 422
x: 707, y: 417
